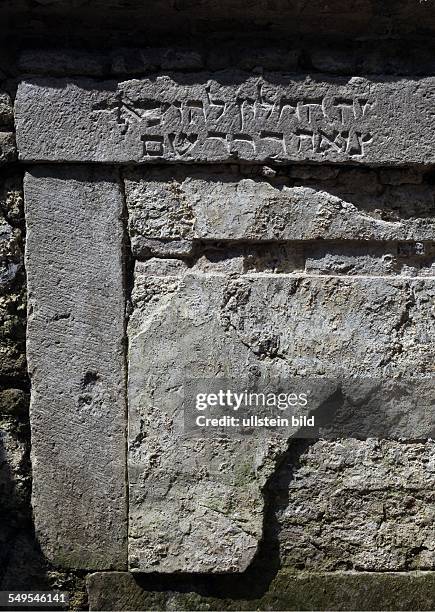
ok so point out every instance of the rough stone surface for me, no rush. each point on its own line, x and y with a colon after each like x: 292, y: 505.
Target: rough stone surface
x: 195, y: 505
x: 8, y: 152
x: 357, y: 505
x: 218, y: 117
x: 220, y: 323
x: 199, y: 205
x: 76, y: 365
x: 12, y: 294
x: 320, y: 257
x: 6, y: 111
x: 287, y: 591
x: 350, y: 58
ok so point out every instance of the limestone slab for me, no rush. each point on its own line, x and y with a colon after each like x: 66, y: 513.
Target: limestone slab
x: 76, y: 365
x: 196, y: 503
x: 263, y: 589
x: 194, y: 205
x: 223, y: 116
x: 361, y: 485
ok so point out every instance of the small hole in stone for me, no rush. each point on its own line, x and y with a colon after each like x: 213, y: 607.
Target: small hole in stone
x: 89, y: 379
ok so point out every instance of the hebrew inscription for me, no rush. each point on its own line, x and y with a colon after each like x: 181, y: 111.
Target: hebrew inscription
x: 227, y: 116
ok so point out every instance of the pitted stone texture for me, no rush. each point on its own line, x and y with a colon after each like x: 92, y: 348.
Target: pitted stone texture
x: 193, y: 205
x: 6, y: 111
x: 321, y: 258
x: 12, y: 293
x: 218, y: 117
x: 14, y: 478
x: 196, y: 504
x: 357, y: 505
x: 8, y: 152
x: 76, y: 364
x: 264, y: 589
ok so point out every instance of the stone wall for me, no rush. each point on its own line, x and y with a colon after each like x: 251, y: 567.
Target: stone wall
x: 195, y: 206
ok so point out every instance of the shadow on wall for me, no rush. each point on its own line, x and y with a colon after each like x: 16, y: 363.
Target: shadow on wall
x: 22, y: 565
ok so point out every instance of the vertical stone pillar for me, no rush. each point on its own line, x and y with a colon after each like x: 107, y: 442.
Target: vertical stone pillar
x: 76, y: 363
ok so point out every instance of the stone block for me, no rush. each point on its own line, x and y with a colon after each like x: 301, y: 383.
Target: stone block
x: 196, y: 205
x: 284, y: 591
x: 224, y: 116
x: 196, y: 504
x: 6, y: 111
x: 360, y: 505
x: 8, y: 149
x: 76, y: 364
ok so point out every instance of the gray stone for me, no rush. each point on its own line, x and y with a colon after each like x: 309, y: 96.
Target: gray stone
x: 320, y: 257
x: 196, y: 205
x: 218, y: 117
x: 161, y: 248
x: 8, y: 150
x: 6, y: 111
x: 76, y: 365
x: 62, y: 62
x: 7, y: 140
x: 283, y: 591
x: 14, y: 481
x: 357, y: 505
x: 11, y: 256
x: 196, y: 504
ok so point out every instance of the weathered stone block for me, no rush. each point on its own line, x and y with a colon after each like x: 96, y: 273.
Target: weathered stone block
x: 12, y: 292
x: 196, y: 504
x: 76, y: 365
x: 196, y: 205
x: 284, y: 591
x: 223, y: 116
x: 357, y: 505
x: 8, y: 150
x: 6, y: 111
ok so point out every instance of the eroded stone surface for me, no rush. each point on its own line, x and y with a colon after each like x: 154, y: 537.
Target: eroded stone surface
x: 8, y: 152
x: 194, y: 205
x: 227, y: 115
x: 283, y: 591
x: 357, y: 505
x: 76, y: 364
x: 12, y: 292
x: 196, y: 505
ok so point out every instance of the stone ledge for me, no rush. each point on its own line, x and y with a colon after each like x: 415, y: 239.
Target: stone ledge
x: 286, y: 591
x: 226, y: 116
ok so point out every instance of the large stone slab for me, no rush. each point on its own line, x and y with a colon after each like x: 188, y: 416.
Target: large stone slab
x: 192, y: 204
x: 377, y: 496
x: 196, y: 503
x: 76, y: 365
x: 265, y: 590
x: 223, y: 116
